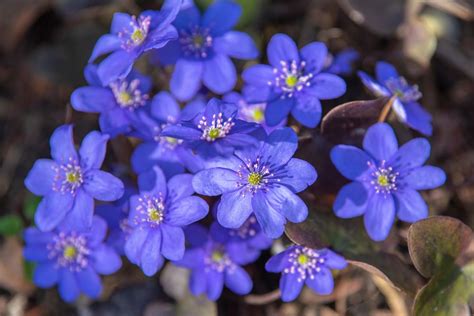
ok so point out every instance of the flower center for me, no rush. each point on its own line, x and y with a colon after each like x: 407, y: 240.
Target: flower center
x: 252, y: 112
x: 74, y: 176
x: 217, y: 256
x: 217, y: 259
x: 128, y: 95
x: 306, y: 262
x: 70, y: 251
x: 68, y: 177
x: 255, y: 178
x: 384, y: 178
x: 217, y: 128
x: 196, y: 43
x: 150, y: 211
x: 291, y: 81
x: 303, y: 259
x: 137, y: 35
x: 400, y: 88
x: 290, y: 78
x: 155, y: 215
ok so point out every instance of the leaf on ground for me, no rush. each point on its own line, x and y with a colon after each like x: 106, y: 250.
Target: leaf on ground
x: 12, y: 274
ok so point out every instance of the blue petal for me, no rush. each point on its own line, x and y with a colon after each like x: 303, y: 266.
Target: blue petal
x: 215, y: 284
x: 323, y: 283
x: 168, y: 54
x: 182, y: 132
x: 62, y: 144
x: 105, y: 44
x: 236, y: 44
x: 152, y: 182
x: 280, y: 146
x: 186, y: 211
x: 187, y: 18
x: 258, y: 93
x: 221, y: 17
x: 89, y: 282
x: 120, y: 22
x: 52, y: 210
x: 282, y: 48
x: 259, y: 75
x: 327, y: 86
x: 164, y: 107
x: 114, y: 122
x: 97, y: 232
x: 106, y: 260
x: 410, y: 206
x: 180, y: 186
x: 215, y: 181
x: 272, y: 222
x: 279, y: 261
x: 307, y: 111
x: 290, y: 286
x: 90, y: 74
x: 116, y: 66
x: 234, y: 209
x: 168, y: 12
x: 40, y: 179
x: 351, y: 201
x: 82, y: 212
x: 376, y: 88
x: 287, y: 203
x: 103, y: 186
x: 186, y: 79
x: 133, y: 246
x: 151, y: 260
x: 299, y: 174
x: 92, y: 150
x: 334, y: 261
x: 411, y: 155
x: 92, y: 99
x: 238, y: 281
x: 196, y: 235
x: 45, y: 275
x: 379, y: 216
x: 350, y: 161
x: 34, y: 236
x: 219, y: 74
x: 193, y: 258
x: 193, y: 108
x: 159, y: 38
x: 197, y: 282
x: 172, y: 244
x: 418, y: 118
x: 68, y: 288
x: 380, y: 141
x: 385, y: 71
x: 35, y: 252
x: 425, y: 178
x: 315, y: 56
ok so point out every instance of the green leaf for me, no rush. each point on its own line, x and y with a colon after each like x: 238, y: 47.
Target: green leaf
x: 10, y: 225
x: 437, y: 241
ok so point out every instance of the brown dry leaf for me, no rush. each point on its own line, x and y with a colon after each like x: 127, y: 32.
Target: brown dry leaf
x: 12, y: 275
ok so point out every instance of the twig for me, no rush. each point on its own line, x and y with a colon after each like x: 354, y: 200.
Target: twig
x: 394, y: 299
x: 263, y: 299
x: 460, y: 9
x: 386, y: 109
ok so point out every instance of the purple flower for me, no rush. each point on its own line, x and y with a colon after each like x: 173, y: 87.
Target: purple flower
x: 301, y: 265
x: 116, y: 103
x: 157, y: 215
x: 342, y: 63
x: 262, y: 181
x: 405, y: 105
x: 214, y: 263
x: 202, y: 52
x: 167, y: 152
x: 71, y: 258
x: 293, y: 82
x: 130, y: 37
x: 385, y: 180
x: 214, y: 131
x: 70, y: 182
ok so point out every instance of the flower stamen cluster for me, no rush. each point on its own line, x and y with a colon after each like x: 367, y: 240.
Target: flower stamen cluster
x: 306, y: 262
x: 218, y: 128
x: 218, y: 260
x: 400, y: 87
x: 128, y: 94
x: 290, y: 78
x: 69, y: 177
x: 196, y: 43
x: 137, y: 36
x: 384, y: 179
x: 151, y: 210
x: 70, y: 251
x: 254, y: 176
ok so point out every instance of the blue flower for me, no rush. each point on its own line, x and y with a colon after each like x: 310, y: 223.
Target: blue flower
x: 262, y: 181
x: 157, y: 215
x: 406, y: 106
x: 214, y: 263
x: 167, y: 152
x: 202, y: 52
x: 293, y: 82
x: 71, y: 258
x: 301, y: 265
x: 385, y: 180
x: 116, y: 102
x: 130, y: 37
x: 342, y: 63
x: 70, y: 182
x: 214, y: 131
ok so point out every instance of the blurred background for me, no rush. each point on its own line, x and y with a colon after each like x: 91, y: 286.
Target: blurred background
x: 45, y: 45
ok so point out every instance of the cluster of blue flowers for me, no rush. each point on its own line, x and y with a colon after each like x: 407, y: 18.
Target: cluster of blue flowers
x: 236, y: 149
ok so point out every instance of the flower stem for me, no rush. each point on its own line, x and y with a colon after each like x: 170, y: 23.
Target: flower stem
x: 263, y: 299
x: 386, y: 109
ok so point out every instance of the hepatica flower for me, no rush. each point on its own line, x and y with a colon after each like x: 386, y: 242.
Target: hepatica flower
x: 293, y: 82
x: 71, y: 258
x: 157, y: 215
x: 385, y: 180
x: 214, y: 131
x: 202, y: 52
x: 116, y: 102
x: 406, y: 106
x: 262, y: 181
x: 301, y: 265
x: 70, y: 182
x: 131, y: 36
x: 214, y: 264
x: 342, y: 63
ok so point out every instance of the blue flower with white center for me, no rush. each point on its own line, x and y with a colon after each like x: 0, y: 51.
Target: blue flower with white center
x: 293, y: 82
x: 405, y: 105
x: 342, y: 63
x: 70, y: 182
x: 116, y: 102
x: 385, y: 180
x: 262, y: 181
x: 301, y: 265
x: 215, y: 130
x: 215, y: 263
x: 157, y: 215
x: 71, y: 258
x: 169, y: 153
x: 131, y: 36
x: 202, y: 52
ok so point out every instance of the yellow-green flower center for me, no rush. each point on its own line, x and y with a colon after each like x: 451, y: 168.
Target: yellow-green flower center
x: 137, y: 36
x: 124, y: 97
x: 73, y: 177
x: 217, y: 256
x: 383, y: 180
x: 69, y: 252
x: 155, y: 215
x: 291, y: 81
x: 303, y: 259
x: 255, y: 178
x: 171, y: 140
x: 258, y: 115
x: 214, y: 133
x: 198, y: 40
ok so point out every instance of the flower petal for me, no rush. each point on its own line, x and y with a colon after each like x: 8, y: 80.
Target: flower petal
x: 380, y: 141
x: 418, y: 118
x: 68, y: 288
x: 98, y: 231
x: 82, y: 212
x: 379, y: 216
x: 327, y: 86
x: 186, y: 211
x: 180, y: 186
x: 219, y: 74
x: 322, y: 283
x: 45, y: 275
x: 92, y: 150
x: 351, y: 201
x: 120, y: 22
x: 238, y: 280
x: 168, y: 12
x: 103, y: 186
x: 277, y: 110
x: 259, y: 75
x: 164, y: 107
x: 376, y: 88
x: 334, y: 261
x: 411, y: 155
x: 62, y: 144
x: 410, y: 206
x: 89, y: 282
x: 287, y: 203
x: 425, y: 178
x: 134, y: 244
x: 197, y: 282
x: 385, y: 71
x: 215, y: 181
x: 151, y: 260
x: 105, y: 260
x: 299, y: 174
x: 221, y: 17
x: 215, y: 283
x: 116, y: 66
x: 157, y: 39
x: 234, y: 209
x: 40, y: 179
x: 37, y: 253
x: 172, y: 245
x: 92, y: 99
x: 282, y: 48
x: 186, y: 79
x: 236, y: 44
x: 52, y: 210
x: 168, y: 54
x: 350, y: 161
x: 105, y: 44
x: 290, y: 286
x: 279, y: 261
x: 280, y: 146
x: 187, y: 18
x: 315, y: 55
x: 272, y: 222
x: 152, y: 182
x: 307, y: 111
